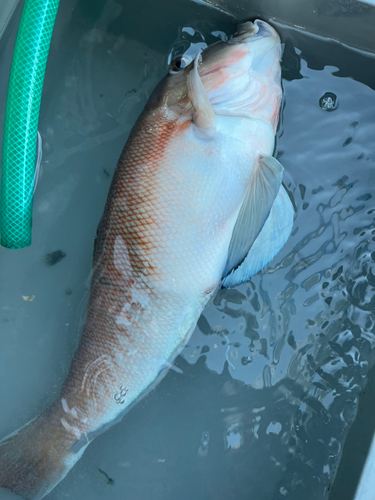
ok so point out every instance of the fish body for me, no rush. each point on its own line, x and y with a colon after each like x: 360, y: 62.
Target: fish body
x: 176, y: 226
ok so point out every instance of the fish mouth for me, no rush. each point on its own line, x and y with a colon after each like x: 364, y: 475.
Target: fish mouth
x: 251, y: 31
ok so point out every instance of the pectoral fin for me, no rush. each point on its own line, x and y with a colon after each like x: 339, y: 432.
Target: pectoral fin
x: 270, y: 241
x: 263, y: 187
x: 204, y: 115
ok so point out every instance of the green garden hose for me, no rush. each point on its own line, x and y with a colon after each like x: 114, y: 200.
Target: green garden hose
x: 21, y: 120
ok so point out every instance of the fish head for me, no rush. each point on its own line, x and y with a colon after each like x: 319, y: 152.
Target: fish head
x: 241, y: 77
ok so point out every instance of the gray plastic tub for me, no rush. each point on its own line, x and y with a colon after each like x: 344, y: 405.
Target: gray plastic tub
x: 264, y: 396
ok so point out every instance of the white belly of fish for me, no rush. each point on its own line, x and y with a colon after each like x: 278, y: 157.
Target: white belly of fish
x: 206, y: 181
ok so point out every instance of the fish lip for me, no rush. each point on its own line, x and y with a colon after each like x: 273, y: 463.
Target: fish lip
x: 250, y: 31
x: 247, y: 29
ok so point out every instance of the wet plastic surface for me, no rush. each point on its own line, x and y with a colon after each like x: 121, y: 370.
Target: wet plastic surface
x: 263, y: 395
x: 6, y: 11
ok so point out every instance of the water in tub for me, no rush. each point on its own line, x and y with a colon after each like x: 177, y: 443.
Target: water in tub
x: 259, y: 402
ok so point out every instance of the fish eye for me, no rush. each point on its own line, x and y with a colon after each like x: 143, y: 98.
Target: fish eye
x: 179, y: 63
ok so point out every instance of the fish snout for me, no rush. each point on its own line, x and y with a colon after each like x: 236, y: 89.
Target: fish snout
x: 253, y: 31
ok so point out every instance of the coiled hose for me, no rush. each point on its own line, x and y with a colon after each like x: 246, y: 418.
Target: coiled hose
x: 21, y: 120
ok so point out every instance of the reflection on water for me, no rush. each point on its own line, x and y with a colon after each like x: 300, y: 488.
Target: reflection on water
x: 261, y: 398
x: 304, y: 328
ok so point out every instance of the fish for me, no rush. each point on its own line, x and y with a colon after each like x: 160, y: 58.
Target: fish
x: 196, y: 203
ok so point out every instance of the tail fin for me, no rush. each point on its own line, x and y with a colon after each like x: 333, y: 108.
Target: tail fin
x: 36, y: 458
